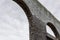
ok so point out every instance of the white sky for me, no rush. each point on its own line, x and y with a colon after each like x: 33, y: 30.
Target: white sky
x: 49, y: 30
x: 13, y: 22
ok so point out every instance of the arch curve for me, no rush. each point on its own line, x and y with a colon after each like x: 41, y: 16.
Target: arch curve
x: 53, y: 29
x: 29, y: 15
x: 22, y: 4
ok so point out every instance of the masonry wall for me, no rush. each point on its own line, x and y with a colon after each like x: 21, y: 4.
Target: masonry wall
x: 37, y: 29
x: 38, y: 17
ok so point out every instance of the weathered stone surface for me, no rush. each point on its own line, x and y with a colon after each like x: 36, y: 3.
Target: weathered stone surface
x: 39, y: 17
x: 38, y: 31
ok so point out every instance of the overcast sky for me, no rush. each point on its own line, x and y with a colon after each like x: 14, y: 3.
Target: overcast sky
x: 13, y: 26
x: 13, y: 22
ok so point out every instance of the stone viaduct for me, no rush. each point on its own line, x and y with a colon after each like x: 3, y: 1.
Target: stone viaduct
x: 39, y: 17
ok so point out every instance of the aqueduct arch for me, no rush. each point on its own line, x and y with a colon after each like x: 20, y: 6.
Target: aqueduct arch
x: 53, y: 29
x: 38, y: 17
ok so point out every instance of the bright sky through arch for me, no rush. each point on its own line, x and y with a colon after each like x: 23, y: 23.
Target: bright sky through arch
x: 14, y: 24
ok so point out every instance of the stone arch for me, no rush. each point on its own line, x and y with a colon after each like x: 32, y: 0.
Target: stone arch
x: 53, y: 29
x: 30, y: 18
x: 25, y: 8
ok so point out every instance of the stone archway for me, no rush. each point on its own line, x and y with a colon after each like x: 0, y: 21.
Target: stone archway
x: 53, y: 29
x: 36, y: 29
x: 38, y: 16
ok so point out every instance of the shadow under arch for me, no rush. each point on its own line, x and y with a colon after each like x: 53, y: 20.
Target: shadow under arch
x: 23, y: 5
x: 53, y: 29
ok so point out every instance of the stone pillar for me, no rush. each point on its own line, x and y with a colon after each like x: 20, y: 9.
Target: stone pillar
x: 37, y: 29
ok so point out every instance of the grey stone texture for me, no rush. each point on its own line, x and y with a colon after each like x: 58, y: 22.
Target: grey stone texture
x: 39, y: 17
x: 38, y: 31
